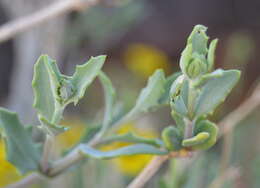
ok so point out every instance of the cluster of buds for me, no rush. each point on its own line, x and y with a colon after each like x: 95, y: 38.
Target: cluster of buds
x: 197, y: 58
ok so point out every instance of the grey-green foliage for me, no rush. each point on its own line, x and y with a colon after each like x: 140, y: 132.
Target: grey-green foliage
x: 53, y: 91
x: 197, y: 92
x: 149, y: 96
x: 20, y: 148
x: 192, y: 95
x: 110, y: 96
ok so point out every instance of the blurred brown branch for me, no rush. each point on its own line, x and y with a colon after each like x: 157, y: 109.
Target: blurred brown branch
x: 148, y: 172
x: 241, y: 112
x: 230, y: 173
x: 11, y: 29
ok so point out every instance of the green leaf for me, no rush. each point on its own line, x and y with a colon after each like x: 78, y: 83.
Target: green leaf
x: 178, y: 105
x: 124, y: 151
x: 110, y: 95
x: 179, y: 121
x: 84, y: 75
x: 165, y: 98
x: 214, y: 88
x: 150, y: 95
x: 196, y: 140
x: 179, y: 102
x: 211, y: 54
x: 133, y: 138
x: 21, y: 151
x: 199, y: 39
x: 44, y: 101
x: 172, y: 138
x: 53, y: 90
x: 205, y: 135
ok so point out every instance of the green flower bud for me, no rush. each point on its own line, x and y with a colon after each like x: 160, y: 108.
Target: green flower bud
x: 196, y: 58
x: 196, y: 68
x: 66, y: 90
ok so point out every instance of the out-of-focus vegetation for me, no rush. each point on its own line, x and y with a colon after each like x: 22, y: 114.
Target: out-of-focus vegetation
x: 153, y: 33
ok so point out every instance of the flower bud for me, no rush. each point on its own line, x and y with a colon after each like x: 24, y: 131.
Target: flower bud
x: 197, y: 59
x: 196, y: 67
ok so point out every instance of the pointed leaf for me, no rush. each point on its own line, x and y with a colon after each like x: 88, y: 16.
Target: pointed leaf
x: 211, y: 54
x: 150, y: 95
x: 110, y: 95
x: 165, y: 98
x: 124, y: 151
x: 84, y: 75
x: 21, y: 151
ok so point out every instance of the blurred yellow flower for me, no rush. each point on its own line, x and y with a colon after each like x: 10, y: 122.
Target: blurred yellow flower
x: 8, y: 173
x: 68, y: 138
x: 130, y: 165
x: 143, y: 60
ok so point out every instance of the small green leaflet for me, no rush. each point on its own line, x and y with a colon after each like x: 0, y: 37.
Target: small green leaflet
x: 20, y: 149
x: 84, y: 75
x: 110, y: 95
x: 124, y: 151
x: 53, y: 128
x: 150, y: 95
x: 44, y: 101
x: 165, y: 98
x: 205, y: 135
x: 214, y: 88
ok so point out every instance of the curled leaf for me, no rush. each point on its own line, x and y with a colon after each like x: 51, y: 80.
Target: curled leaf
x: 172, y: 138
x: 205, y: 135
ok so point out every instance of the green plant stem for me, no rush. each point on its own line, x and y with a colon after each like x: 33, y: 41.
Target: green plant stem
x: 59, y: 166
x: 226, y: 125
x: 47, y: 150
x: 191, y: 98
x: 188, y: 129
x: 57, y: 114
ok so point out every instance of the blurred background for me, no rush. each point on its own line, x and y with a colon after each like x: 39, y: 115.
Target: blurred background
x: 138, y: 37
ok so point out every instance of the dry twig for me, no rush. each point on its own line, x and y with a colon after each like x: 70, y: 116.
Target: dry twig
x: 12, y: 28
